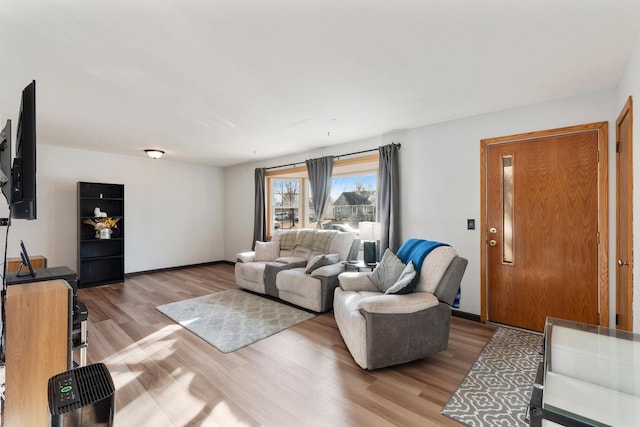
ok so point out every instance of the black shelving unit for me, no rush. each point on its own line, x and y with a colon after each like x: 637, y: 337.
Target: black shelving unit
x: 100, y: 261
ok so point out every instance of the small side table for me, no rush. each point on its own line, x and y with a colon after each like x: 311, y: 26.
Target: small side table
x: 359, y: 266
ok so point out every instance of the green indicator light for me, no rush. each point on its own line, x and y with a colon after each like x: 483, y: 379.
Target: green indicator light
x: 66, y: 389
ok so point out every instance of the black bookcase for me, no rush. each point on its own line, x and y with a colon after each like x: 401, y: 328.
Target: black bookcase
x: 100, y: 261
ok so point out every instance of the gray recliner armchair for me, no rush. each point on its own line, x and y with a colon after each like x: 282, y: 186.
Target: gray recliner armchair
x: 384, y: 330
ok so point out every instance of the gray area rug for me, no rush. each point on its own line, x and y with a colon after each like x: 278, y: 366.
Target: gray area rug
x: 497, y: 389
x: 233, y: 319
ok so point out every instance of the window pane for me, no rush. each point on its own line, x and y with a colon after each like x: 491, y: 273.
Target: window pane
x: 286, y: 203
x: 507, y: 209
x: 353, y: 199
x: 290, y: 203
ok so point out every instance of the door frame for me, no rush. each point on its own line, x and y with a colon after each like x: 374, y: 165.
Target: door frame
x: 626, y: 112
x: 603, y: 208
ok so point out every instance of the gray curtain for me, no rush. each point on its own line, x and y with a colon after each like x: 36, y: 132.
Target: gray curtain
x: 320, y: 172
x: 259, y: 218
x: 389, y: 198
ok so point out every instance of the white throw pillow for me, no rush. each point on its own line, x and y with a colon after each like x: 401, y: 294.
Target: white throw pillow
x: 267, y: 251
x: 406, y: 282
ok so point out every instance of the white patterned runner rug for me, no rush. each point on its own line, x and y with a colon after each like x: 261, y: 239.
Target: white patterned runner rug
x: 497, y: 389
x: 233, y: 319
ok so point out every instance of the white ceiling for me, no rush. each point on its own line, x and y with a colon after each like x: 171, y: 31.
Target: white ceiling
x: 224, y: 82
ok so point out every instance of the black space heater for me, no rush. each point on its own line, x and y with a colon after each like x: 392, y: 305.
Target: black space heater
x: 82, y: 397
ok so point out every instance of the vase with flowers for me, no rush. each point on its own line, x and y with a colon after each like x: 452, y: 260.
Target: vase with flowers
x: 103, y: 226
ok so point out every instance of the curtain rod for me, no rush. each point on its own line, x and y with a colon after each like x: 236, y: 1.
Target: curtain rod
x: 335, y: 157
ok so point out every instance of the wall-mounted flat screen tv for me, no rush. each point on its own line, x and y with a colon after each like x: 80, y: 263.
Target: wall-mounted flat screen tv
x: 23, y: 195
x: 5, y: 161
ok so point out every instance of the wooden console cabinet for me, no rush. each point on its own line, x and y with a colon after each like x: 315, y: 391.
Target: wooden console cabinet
x: 37, y: 262
x: 38, y: 317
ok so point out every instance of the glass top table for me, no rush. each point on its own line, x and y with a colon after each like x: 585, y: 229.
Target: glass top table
x: 591, y: 374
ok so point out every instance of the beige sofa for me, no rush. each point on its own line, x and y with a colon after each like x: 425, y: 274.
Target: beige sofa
x: 284, y: 267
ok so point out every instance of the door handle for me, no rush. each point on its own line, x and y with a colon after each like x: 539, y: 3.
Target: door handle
x: 621, y: 263
x: 492, y: 242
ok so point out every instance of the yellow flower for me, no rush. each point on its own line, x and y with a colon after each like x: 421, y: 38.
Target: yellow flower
x: 100, y: 223
x: 110, y: 222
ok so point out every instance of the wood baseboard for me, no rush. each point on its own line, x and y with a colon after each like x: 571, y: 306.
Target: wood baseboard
x: 465, y: 315
x: 179, y: 267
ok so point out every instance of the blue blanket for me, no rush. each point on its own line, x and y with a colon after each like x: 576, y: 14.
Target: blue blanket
x: 416, y: 250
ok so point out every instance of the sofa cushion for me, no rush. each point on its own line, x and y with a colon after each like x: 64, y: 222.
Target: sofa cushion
x: 329, y: 271
x: 287, y: 239
x: 388, y: 271
x: 249, y: 256
x: 322, y: 241
x: 305, y: 238
x: 406, y: 283
x: 302, y: 252
x: 299, y: 288
x: 434, y: 267
x: 321, y: 261
x: 351, y: 322
x: 267, y: 251
x: 397, y: 304
x: 285, y: 252
x: 290, y: 259
x: 341, y: 244
x: 356, y: 281
x: 354, y: 302
x: 298, y: 282
x: 253, y: 271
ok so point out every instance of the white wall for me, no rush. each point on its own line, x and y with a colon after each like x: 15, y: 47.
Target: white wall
x: 173, y: 211
x: 440, y: 177
x: 180, y: 214
x: 630, y: 86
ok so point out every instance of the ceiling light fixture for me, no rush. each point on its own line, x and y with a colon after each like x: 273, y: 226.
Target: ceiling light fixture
x: 154, y: 153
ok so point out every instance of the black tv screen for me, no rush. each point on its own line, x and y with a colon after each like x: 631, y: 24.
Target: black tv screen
x: 5, y: 161
x: 23, y: 195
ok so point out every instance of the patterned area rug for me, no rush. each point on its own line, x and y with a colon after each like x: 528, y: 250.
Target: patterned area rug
x: 233, y: 319
x: 497, y: 389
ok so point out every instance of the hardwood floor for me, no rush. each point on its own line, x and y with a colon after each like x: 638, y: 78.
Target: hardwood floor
x: 167, y: 376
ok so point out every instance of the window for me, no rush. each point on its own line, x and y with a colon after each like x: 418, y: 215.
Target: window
x: 507, y: 209
x: 286, y: 203
x: 353, y: 196
x: 353, y: 199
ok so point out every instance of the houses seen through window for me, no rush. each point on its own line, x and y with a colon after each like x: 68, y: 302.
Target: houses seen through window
x: 353, y: 197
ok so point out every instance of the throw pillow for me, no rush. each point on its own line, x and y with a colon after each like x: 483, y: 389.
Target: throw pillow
x: 406, y: 283
x: 267, y: 251
x: 387, y: 272
x: 320, y: 261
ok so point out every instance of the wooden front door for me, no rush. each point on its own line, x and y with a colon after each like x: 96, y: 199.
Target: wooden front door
x: 543, y: 218
x: 624, y: 215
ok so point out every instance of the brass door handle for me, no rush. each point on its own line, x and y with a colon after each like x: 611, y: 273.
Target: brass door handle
x: 621, y: 263
x: 492, y: 242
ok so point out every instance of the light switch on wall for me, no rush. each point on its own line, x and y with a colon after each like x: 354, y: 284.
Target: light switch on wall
x: 471, y: 224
